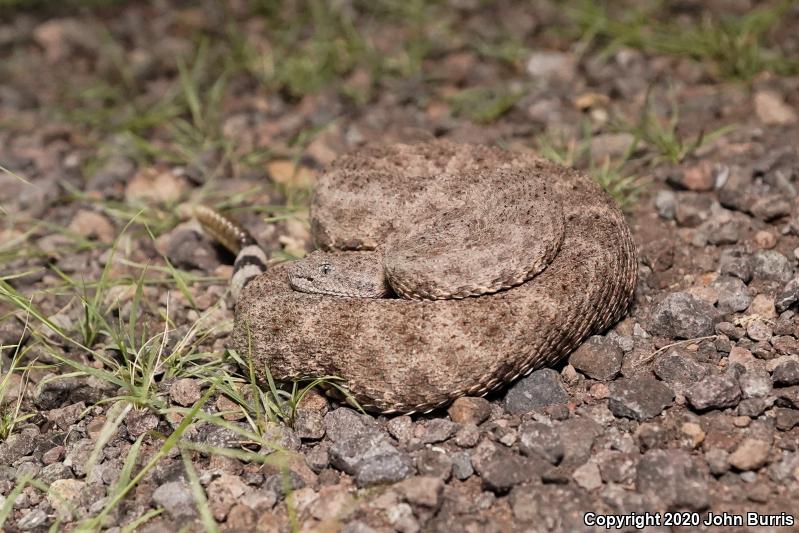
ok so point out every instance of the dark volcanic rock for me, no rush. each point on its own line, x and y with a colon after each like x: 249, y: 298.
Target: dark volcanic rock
x: 714, y: 392
x: 639, y: 398
x: 384, y: 468
x: 680, y: 369
x: 501, y: 469
x: 786, y: 373
x: 733, y: 294
x: 787, y: 296
x: 539, y: 389
x: 672, y: 478
x: 683, y: 316
x: 771, y: 265
x: 537, y: 438
x: 439, y: 430
x: 735, y: 262
x: 347, y: 454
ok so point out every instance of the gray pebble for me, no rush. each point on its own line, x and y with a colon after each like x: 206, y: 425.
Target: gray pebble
x: 714, y: 392
x: 539, y: 389
x: 598, y: 357
x: 639, y: 398
x: 682, y: 315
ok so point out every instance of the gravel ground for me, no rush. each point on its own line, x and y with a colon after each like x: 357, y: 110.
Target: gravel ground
x: 121, y: 407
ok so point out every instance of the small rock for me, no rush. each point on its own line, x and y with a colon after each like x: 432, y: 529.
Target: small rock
x: 348, y: 453
x: 714, y: 392
x: 434, y: 462
x: 763, y: 306
x: 587, y: 476
x: 223, y: 493
x: 287, y: 172
x: 383, y: 468
x: 692, y: 209
x: 140, y: 422
x: 55, y: 471
x: 666, y: 204
x: 675, y: 368
x: 717, y: 461
x: 787, y: 296
x: 681, y: 315
x: 765, y: 240
x: 598, y: 357
x: 552, y: 66
x: 344, y: 423
x: 770, y: 265
x: 771, y: 109
x: 317, y: 458
x: 771, y: 207
x: 400, y: 516
x: 758, y: 330
x: 542, y: 440
x: 694, y: 433
x: 467, y: 436
x: 755, y: 384
x: 77, y: 455
x: 185, y: 391
x: 92, y: 225
x: 735, y: 262
x: 156, y: 186
x: 469, y: 410
x: 32, y: 520
x: 539, y: 389
x: 501, y: 469
x: 63, y: 496
x: 241, y: 518
x: 672, y: 477
x: 659, y: 255
x: 439, y: 430
x: 733, y: 295
x: 751, y: 454
x: 639, y: 398
x: 786, y: 419
x: 334, y: 502
x: 753, y: 407
x: 786, y: 373
x: 177, y: 500
x: 65, y: 416
x: 422, y: 490
x: 462, y: 465
x: 309, y: 420
x: 699, y: 177
x: 401, y: 428
x: 189, y: 250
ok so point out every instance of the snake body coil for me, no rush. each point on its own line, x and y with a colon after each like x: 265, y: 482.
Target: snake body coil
x: 498, y: 263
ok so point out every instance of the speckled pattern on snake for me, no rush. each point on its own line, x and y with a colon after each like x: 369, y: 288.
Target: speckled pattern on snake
x: 445, y: 270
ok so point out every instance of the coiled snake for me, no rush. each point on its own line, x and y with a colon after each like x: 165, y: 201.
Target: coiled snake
x: 445, y: 270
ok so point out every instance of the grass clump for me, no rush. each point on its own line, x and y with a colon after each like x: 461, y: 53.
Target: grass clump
x: 615, y: 176
x: 736, y: 47
x: 483, y: 104
x: 11, y: 407
x: 661, y: 134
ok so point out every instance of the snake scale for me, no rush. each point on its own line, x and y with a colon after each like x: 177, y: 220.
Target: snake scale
x: 443, y: 270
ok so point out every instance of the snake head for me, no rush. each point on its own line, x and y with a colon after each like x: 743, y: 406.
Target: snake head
x: 352, y: 274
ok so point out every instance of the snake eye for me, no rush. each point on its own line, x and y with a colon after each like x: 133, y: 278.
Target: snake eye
x: 325, y: 268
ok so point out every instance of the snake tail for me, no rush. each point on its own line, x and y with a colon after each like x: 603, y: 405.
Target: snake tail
x: 250, y: 258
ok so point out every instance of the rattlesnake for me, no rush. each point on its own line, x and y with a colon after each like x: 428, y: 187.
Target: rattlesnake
x: 445, y: 270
